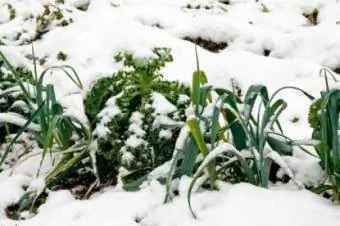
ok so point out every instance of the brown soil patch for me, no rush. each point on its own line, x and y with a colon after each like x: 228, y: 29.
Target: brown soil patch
x: 210, y: 45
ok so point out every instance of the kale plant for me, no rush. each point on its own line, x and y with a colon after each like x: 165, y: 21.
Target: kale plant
x: 137, y: 115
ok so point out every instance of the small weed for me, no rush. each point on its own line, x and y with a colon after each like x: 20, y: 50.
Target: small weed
x: 62, y: 56
x: 295, y: 119
x: 12, y: 12
x: 266, y: 52
x: 64, y: 23
x: 312, y: 17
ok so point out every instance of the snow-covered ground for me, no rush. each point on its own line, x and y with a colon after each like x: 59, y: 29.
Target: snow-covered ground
x: 297, y: 51
x: 237, y: 205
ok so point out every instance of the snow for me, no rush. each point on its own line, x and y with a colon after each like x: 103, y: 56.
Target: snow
x: 11, y: 189
x: 182, y: 138
x: 106, y: 115
x: 111, y: 110
x: 165, y: 120
x: 220, y: 149
x: 127, y: 157
x: 134, y: 141
x: 30, y: 163
x: 279, y: 160
x: 161, y: 105
x: 298, y: 50
x: 167, y: 134
x: 136, y: 123
x: 308, y: 172
x: 183, y: 98
x: 238, y: 205
x: 160, y: 171
x: 37, y: 185
x: 217, y: 208
x: 17, y: 119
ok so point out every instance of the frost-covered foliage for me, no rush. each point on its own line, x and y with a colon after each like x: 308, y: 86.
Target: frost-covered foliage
x: 137, y: 115
x: 51, y: 17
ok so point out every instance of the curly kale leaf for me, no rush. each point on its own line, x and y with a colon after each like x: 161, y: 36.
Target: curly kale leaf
x: 100, y: 92
x: 313, y: 117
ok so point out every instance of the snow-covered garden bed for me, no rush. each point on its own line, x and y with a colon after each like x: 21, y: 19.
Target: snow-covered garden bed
x: 111, y: 115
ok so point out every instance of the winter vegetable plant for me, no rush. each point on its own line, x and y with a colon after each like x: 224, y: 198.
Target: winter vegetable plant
x: 55, y: 131
x: 137, y: 116
x: 254, y: 144
x: 324, y: 119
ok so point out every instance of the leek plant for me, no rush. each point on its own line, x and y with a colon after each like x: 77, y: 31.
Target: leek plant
x: 56, y: 131
x: 324, y: 118
x: 243, y: 146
